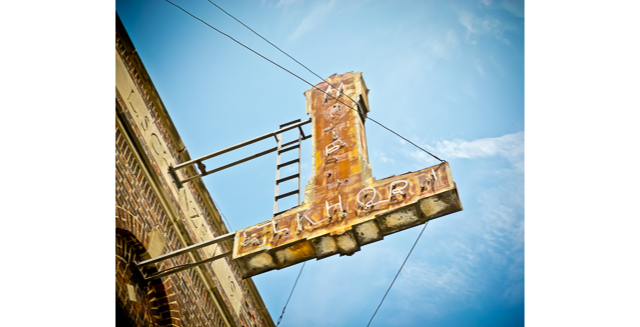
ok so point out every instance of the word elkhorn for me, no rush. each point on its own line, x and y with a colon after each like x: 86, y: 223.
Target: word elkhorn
x: 345, y: 207
x: 365, y: 199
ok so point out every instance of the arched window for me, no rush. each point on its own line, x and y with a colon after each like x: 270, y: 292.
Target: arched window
x: 139, y: 303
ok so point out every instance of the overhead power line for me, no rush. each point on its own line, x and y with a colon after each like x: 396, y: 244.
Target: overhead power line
x: 286, y: 54
x: 288, y: 71
x: 318, y: 76
x: 294, y: 287
x: 222, y: 213
x: 399, y: 270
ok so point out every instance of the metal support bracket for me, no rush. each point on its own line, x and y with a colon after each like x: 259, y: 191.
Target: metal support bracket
x: 198, y: 162
x: 222, y: 238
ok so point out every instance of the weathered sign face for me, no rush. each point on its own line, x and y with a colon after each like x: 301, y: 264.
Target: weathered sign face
x: 344, y: 207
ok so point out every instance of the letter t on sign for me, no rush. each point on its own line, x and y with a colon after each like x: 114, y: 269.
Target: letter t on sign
x: 344, y: 206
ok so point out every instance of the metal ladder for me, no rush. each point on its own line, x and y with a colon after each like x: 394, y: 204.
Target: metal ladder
x: 282, y: 148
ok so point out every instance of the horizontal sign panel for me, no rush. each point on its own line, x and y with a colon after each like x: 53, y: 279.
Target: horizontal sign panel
x: 354, y: 216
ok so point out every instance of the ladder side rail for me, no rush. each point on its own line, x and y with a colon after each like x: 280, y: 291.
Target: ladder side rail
x: 300, y: 136
x: 275, y: 202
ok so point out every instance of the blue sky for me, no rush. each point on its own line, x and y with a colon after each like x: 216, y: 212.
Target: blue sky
x: 449, y: 76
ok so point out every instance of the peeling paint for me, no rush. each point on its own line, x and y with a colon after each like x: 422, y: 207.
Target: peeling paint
x: 344, y: 206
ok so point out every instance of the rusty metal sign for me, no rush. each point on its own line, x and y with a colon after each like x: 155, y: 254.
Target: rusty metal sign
x: 344, y: 207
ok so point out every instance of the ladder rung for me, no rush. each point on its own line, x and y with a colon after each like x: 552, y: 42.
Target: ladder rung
x: 289, y: 148
x: 288, y: 143
x: 289, y: 123
x: 286, y: 195
x: 279, y: 212
x: 287, y: 178
x: 288, y: 163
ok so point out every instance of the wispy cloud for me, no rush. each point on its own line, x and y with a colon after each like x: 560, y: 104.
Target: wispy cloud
x: 515, y: 7
x: 443, y: 46
x: 487, y: 25
x: 514, y: 294
x: 286, y: 2
x: 469, y: 21
x: 318, y: 14
x: 478, y: 65
x: 510, y: 146
x: 440, y: 283
x: 383, y: 157
x: 487, y: 251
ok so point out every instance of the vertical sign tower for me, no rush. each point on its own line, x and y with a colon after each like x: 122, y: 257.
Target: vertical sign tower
x: 344, y: 206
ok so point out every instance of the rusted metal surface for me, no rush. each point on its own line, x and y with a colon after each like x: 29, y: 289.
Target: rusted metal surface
x: 345, y: 207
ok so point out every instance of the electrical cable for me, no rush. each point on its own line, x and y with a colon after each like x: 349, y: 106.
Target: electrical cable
x: 265, y: 58
x: 225, y: 217
x: 300, y: 78
x: 292, y: 58
x: 402, y: 137
x: 399, y: 270
x: 318, y: 76
x: 294, y: 287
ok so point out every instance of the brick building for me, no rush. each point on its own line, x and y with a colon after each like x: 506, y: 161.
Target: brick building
x: 154, y: 217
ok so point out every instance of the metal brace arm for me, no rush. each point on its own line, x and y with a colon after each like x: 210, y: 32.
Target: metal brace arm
x: 222, y: 238
x: 198, y: 161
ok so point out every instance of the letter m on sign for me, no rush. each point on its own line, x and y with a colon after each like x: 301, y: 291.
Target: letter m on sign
x: 344, y: 206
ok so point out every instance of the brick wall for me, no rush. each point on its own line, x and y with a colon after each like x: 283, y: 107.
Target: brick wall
x: 147, y: 203
x: 138, y: 212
